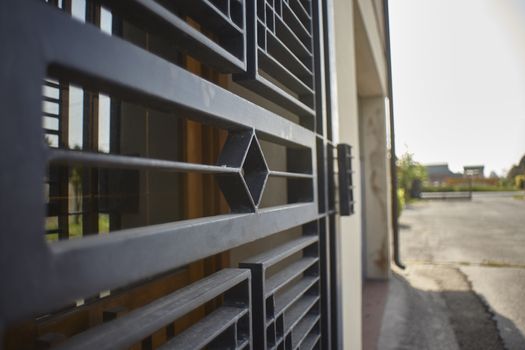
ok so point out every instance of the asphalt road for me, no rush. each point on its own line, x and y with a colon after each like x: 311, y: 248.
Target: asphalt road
x: 484, y: 239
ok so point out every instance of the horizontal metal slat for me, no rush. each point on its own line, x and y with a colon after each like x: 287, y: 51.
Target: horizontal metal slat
x: 282, y: 302
x: 289, y: 38
x: 279, y: 344
x: 307, y: 5
x: 281, y: 278
x: 128, y: 162
x: 51, y: 99
x: 276, y: 48
x: 83, y: 54
x: 204, y: 331
x: 310, y: 341
x: 275, y: 255
x: 298, y: 8
x: 290, y: 174
x: 244, y: 345
x: 272, y: 67
x: 50, y: 115
x: 51, y: 131
x: 297, y: 312
x: 295, y: 24
x: 162, y: 22
x: 215, y: 18
x: 269, y: 90
x: 302, y: 329
x: 51, y: 84
x: 138, y: 324
x: 112, y: 61
x: 156, y: 244
x: 52, y: 231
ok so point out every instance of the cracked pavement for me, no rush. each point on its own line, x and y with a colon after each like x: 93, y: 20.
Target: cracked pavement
x: 466, y: 259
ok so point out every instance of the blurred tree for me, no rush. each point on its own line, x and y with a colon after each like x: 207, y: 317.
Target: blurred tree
x: 516, y: 174
x: 519, y: 182
x: 517, y: 169
x: 409, y: 172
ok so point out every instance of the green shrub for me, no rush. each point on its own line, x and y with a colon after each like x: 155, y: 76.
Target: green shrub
x: 519, y: 181
x: 400, y: 201
x: 408, y: 172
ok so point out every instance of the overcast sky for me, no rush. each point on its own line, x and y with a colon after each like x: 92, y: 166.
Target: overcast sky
x: 459, y: 81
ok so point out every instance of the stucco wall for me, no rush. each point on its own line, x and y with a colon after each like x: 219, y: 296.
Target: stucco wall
x: 350, y: 227
x: 375, y: 186
x: 349, y: 18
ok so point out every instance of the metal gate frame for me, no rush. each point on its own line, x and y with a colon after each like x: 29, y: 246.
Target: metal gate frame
x: 38, y: 276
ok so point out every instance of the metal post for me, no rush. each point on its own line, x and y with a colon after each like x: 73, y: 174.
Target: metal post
x: 393, y: 170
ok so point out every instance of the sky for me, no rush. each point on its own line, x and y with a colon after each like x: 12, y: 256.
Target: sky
x: 458, y: 69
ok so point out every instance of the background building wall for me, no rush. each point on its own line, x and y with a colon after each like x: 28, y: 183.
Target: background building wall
x: 376, y: 187
x: 371, y: 75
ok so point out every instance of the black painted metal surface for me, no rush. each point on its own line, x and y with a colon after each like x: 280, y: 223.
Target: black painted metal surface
x: 346, y: 186
x: 166, y: 19
x: 129, y: 329
x: 287, y: 303
x: 276, y: 48
x: 280, y: 56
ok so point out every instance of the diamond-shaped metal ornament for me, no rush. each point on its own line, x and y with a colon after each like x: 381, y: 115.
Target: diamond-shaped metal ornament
x: 255, y: 171
x: 243, y: 190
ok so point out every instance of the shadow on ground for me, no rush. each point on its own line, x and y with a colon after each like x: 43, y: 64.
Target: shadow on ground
x: 403, y: 226
x: 439, y: 312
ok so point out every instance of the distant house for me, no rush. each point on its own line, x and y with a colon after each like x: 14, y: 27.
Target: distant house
x: 475, y: 171
x: 439, y: 173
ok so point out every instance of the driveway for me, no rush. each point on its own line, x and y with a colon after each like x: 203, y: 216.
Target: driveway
x: 482, y: 239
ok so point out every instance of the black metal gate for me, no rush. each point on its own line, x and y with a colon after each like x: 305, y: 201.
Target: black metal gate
x: 285, y: 297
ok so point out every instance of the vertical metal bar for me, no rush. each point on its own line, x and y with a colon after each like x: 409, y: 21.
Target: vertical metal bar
x: 251, y: 37
x: 21, y: 137
x: 90, y: 176
x: 335, y: 275
x: 63, y: 171
x: 324, y: 247
x: 324, y: 190
x: 393, y: 168
x: 66, y: 6
x: 114, y: 147
x: 259, y: 308
x: 330, y: 177
x: 115, y: 115
x: 319, y: 66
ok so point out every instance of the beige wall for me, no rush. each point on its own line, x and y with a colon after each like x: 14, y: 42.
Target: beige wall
x: 368, y: 18
x: 350, y: 227
x: 371, y: 74
x: 376, y: 187
x: 360, y: 70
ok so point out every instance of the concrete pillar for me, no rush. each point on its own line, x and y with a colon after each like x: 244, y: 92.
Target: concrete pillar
x: 375, y: 186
